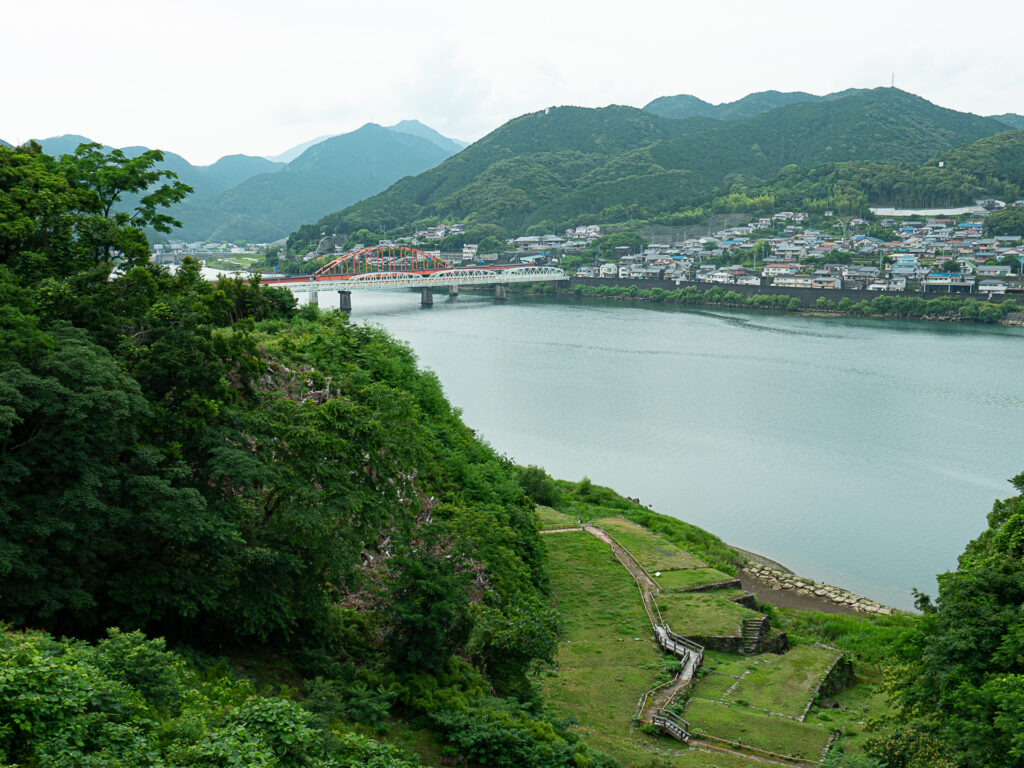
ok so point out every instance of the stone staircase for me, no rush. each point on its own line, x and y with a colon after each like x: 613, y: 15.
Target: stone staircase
x: 752, y: 630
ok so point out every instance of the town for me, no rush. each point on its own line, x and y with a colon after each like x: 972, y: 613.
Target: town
x: 936, y: 253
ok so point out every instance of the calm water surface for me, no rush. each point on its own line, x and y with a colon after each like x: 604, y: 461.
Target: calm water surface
x: 861, y: 453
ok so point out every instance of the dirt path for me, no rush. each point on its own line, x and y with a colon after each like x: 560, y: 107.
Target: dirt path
x: 560, y: 530
x: 698, y: 744
x: 646, y: 583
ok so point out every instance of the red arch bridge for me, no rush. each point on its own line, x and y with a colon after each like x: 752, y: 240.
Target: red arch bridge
x: 383, y: 267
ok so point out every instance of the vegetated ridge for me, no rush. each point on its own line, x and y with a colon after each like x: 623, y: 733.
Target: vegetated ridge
x: 241, y: 197
x: 335, y: 172
x: 571, y: 164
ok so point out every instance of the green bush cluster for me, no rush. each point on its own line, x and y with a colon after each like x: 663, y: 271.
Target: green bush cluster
x: 127, y: 701
x: 203, y: 461
x: 953, y: 307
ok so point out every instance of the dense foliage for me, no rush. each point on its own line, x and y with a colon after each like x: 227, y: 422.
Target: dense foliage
x: 127, y: 701
x: 959, y: 685
x: 944, y: 306
x: 202, y: 461
x: 751, y: 105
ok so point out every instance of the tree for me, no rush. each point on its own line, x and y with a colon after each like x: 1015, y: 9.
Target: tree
x: 1006, y: 221
x: 960, y: 678
x: 109, y: 177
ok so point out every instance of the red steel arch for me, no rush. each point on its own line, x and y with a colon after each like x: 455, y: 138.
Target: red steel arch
x: 381, y: 258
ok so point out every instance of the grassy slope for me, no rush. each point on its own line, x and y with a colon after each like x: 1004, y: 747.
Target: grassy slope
x: 551, y: 520
x: 703, y: 613
x: 602, y: 671
x: 783, y: 688
x: 681, y: 581
x: 652, y: 552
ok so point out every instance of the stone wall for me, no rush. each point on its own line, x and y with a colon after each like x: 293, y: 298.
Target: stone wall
x: 777, y: 579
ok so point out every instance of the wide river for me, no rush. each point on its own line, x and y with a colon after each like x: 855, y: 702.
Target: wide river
x: 861, y: 453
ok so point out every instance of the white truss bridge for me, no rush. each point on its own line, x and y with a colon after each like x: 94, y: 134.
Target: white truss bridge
x: 446, y: 278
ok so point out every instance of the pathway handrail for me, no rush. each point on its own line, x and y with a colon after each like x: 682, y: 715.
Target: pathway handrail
x: 672, y: 717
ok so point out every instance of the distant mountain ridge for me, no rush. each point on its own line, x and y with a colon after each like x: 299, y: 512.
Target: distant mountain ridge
x: 241, y: 197
x: 684, y: 105
x: 206, y: 180
x: 332, y: 173
x: 571, y: 164
x: 1011, y: 119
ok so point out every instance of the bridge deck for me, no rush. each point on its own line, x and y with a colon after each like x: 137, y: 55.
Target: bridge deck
x: 416, y: 279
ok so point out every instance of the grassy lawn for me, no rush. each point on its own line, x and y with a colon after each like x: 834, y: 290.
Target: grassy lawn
x: 602, y: 669
x: 551, y: 519
x: 703, y: 613
x: 680, y: 581
x: 775, y: 734
x: 651, y: 551
x: 784, y: 683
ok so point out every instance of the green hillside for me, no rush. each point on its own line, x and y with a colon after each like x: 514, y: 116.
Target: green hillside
x: 336, y: 172
x: 1011, y: 119
x: 241, y: 197
x: 750, y: 105
x: 567, y: 164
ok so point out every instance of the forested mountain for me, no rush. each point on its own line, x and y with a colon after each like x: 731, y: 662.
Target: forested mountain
x: 205, y: 180
x: 416, y: 128
x: 241, y: 197
x: 335, y: 172
x: 750, y: 105
x: 1011, y: 119
x: 554, y: 167
x: 989, y: 167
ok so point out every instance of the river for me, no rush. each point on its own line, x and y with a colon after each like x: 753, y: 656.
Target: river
x: 862, y: 453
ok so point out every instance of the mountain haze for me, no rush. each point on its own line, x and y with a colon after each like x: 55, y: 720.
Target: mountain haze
x: 560, y: 165
x: 416, y: 128
x: 241, y: 197
x: 206, y: 180
x: 1012, y: 120
x: 332, y: 173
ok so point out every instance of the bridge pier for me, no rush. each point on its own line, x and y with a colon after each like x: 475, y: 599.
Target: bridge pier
x: 499, y: 291
x: 345, y: 301
x: 426, y: 296
x: 453, y: 290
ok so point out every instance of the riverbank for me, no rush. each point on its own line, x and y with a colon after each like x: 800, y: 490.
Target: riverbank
x: 815, y: 303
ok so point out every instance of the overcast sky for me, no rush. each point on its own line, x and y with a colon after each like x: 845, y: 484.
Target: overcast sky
x: 205, y: 78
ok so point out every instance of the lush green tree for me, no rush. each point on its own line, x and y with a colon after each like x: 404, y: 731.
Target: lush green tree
x: 960, y: 677
x: 1006, y: 221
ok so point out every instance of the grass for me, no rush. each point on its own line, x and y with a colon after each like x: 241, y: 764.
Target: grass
x: 550, y: 519
x: 784, y: 683
x: 589, y: 501
x: 681, y: 581
x: 869, y: 638
x: 775, y: 734
x: 602, y: 669
x: 703, y: 613
x: 652, y: 552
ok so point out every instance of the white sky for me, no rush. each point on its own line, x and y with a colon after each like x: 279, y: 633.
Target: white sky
x: 205, y: 78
